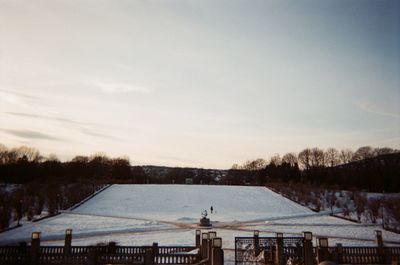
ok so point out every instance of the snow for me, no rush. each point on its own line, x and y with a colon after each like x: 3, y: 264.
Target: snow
x: 82, y: 225
x: 168, y: 214
x: 180, y: 202
x: 337, y: 230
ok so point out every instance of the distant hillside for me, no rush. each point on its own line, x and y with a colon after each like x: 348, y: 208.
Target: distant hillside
x: 162, y: 174
x: 386, y: 160
x: 380, y: 173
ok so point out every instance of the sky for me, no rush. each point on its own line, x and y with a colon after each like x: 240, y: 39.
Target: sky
x: 203, y: 83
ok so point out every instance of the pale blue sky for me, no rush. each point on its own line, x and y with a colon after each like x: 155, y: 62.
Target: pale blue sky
x: 198, y: 83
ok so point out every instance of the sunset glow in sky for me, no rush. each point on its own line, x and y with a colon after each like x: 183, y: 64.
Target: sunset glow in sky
x: 198, y: 83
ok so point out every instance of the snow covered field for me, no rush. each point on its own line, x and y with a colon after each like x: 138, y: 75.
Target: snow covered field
x: 186, y: 202
x: 168, y: 214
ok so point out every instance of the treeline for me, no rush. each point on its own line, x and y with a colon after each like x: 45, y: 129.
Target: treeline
x: 35, y: 185
x: 24, y: 164
x: 372, y: 169
x: 35, y: 200
x: 357, y: 205
x: 332, y: 179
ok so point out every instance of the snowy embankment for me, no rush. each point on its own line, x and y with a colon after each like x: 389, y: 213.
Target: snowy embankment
x: 90, y: 197
x: 186, y: 202
x: 168, y: 214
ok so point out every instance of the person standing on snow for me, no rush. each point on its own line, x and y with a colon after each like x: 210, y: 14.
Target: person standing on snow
x: 211, y: 209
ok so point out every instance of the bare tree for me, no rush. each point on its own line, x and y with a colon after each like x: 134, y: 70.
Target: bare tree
x: 345, y: 156
x: 316, y: 201
x: 392, y: 207
x: 18, y: 205
x: 5, y: 216
x: 257, y: 164
x: 276, y: 160
x: 373, y: 207
x: 290, y: 158
x: 360, y: 202
x: 317, y: 157
x: 29, y: 153
x: 363, y: 153
x: 384, y: 151
x: 3, y: 154
x: 80, y: 159
x: 345, y: 205
x: 332, y: 157
x: 305, y: 158
x: 331, y: 199
x: 100, y: 157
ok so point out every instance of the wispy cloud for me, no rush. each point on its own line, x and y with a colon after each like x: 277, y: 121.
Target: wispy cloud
x: 84, y: 127
x: 371, y: 108
x: 38, y: 116
x: 98, y: 134
x: 27, y: 134
x: 19, y: 99
x: 8, y: 93
x: 118, y: 88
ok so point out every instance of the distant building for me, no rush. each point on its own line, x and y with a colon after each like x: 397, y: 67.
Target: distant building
x: 189, y: 181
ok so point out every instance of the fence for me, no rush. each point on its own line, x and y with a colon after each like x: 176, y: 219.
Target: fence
x: 208, y: 252
x: 281, y: 250
x: 254, y: 250
x: 267, y: 249
x: 360, y: 255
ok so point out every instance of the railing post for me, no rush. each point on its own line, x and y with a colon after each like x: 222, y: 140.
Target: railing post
x: 322, y: 252
x: 35, y: 247
x: 155, y: 249
x: 217, y: 254
x: 211, y: 236
x: 279, y: 249
x: 379, y: 238
x: 308, y: 248
x: 256, y: 242
x: 394, y: 260
x: 339, y: 253
x: 268, y: 253
x: 204, y: 246
x: 379, y: 242
x: 112, y: 248
x: 67, y: 244
x: 22, y: 250
x: 148, y: 256
x: 198, y: 238
x: 22, y: 246
x: 389, y: 259
x: 92, y: 256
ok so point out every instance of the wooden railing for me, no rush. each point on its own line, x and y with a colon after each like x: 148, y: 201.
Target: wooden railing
x: 176, y: 259
x: 359, y: 255
x: 14, y: 255
x: 175, y: 249
x: 100, y: 255
x: 280, y: 250
x: 120, y: 259
x: 363, y: 255
x: 293, y: 252
x: 395, y: 252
